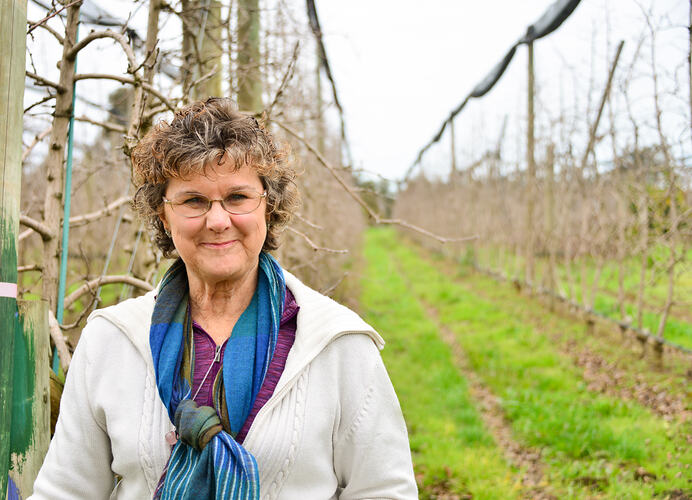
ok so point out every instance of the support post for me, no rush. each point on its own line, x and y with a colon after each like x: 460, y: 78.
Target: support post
x: 249, y: 75
x: 453, y: 151
x: 530, y: 171
x: 689, y: 62
x: 319, y: 104
x: 30, y: 435
x: 550, y: 220
x: 12, y: 60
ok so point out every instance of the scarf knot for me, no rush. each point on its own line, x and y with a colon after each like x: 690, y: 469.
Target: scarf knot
x: 196, y: 425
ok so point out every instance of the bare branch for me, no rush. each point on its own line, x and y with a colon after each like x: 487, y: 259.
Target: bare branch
x: 39, y: 102
x: 59, y: 341
x: 290, y: 69
x: 91, y: 285
x: 126, y: 79
x: 327, y: 291
x: 81, y: 220
x: 311, y: 224
x: 96, y: 35
x: 76, y: 221
x: 44, y: 81
x: 42, y: 24
x: 203, y: 78
x: 85, y: 312
x: 153, y: 112
x: 39, y: 227
x: 25, y: 234
x: 314, y: 246
x: 112, y: 127
x: 38, y: 138
x: 31, y: 267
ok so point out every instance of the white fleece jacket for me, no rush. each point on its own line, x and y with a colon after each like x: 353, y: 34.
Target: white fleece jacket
x: 332, y: 429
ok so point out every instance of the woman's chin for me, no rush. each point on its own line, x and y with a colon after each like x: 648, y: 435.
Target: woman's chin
x: 219, y: 270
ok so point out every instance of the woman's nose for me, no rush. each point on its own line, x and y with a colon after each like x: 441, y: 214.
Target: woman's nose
x: 218, y: 219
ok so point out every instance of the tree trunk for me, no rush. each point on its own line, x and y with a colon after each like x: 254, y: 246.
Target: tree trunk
x: 53, y: 201
x: 140, y: 106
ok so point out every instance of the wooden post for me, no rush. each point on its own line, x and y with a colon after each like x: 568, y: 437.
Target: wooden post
x: 249, y: 76
x: 319, y: 104
x: 530, y: 171
x: 30, y: 434
x: 12, y: 60
x: 187, y: 17
x: 550, y: 221
x: 453, y: 152
x: 208, y: 41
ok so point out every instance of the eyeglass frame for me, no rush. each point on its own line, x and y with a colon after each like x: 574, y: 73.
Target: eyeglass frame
x: 211, y: 202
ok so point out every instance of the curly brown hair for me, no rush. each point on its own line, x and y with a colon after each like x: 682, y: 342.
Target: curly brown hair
x: 196, y: 139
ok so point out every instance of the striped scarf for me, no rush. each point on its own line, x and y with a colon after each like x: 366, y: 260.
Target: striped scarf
x: 206, y: 461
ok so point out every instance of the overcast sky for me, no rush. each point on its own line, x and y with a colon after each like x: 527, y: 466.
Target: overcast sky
x: 401, y: 66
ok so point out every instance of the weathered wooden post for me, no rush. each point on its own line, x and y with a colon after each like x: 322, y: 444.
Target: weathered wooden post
x: 550, y: 222
x: 249, y: 75
x: 320, y: 128
x: 12, y: 59
x: 30, y: 433
x: 453, y: 150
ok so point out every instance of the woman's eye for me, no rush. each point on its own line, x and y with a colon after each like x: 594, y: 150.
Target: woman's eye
x: 195, y: 201
x: 236, y: 198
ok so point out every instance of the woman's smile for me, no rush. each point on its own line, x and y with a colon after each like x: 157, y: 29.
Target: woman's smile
x: 218, y: 244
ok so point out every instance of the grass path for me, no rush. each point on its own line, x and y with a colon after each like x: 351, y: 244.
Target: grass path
x: 592, y: 445
x: 452, y: 450
x: 526, y: 459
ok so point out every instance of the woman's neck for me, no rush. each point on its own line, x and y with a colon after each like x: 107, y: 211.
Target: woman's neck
x: 216, y: 307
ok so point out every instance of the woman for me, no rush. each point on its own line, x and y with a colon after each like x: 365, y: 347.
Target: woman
x: 233, y: 379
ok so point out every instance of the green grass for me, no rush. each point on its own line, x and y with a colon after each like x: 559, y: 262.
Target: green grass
x: 604, y: 342
x: 451, y: 448
x: 679, y: 325
x: 591, y: 443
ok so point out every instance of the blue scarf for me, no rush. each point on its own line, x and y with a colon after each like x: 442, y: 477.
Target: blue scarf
x: 206, y: 461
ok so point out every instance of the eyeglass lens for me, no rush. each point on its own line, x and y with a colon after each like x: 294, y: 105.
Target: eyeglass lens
x: 237, y: 202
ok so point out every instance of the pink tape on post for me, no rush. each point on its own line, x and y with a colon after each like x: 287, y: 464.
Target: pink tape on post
x: 8, y: 290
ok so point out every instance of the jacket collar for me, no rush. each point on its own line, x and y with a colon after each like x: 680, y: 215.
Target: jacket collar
x: 320, y: 321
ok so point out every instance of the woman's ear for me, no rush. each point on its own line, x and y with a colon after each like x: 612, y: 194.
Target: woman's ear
x: 162, y: 217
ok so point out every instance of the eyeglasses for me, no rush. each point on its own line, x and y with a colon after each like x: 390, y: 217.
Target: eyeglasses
x: 236, y: 203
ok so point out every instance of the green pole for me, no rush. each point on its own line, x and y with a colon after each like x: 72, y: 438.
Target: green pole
x: 12, y: 60
x: 66, y: 219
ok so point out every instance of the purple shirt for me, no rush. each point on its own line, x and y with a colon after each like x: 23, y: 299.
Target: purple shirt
x: 209, y: 357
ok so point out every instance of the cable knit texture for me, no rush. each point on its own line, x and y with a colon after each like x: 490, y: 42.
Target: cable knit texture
x: 333, y: 427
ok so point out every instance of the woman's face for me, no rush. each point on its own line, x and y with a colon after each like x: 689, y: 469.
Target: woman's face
x: 217, y: 246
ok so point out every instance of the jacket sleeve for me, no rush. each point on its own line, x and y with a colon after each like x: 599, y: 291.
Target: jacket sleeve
x: 372, y: 457
x: 77, y: 465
